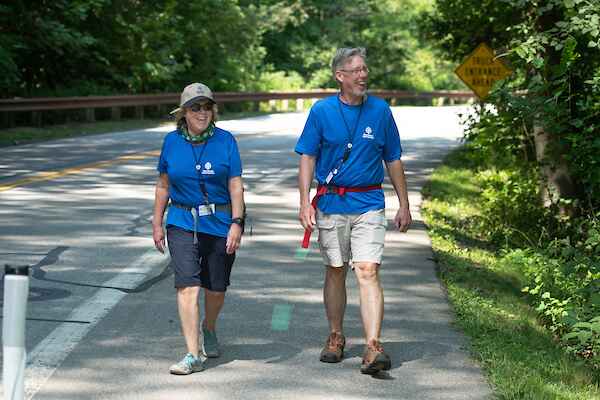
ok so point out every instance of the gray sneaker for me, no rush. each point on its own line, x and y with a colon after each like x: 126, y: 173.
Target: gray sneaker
x: 189, y: 364
x: 210, y: 344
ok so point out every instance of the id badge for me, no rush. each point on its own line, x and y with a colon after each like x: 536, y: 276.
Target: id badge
x: 206, y: 209
x: 329, y: 178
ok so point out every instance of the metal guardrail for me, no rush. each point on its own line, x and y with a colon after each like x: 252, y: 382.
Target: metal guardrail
x: 65, y: 103
x: 89, y: 103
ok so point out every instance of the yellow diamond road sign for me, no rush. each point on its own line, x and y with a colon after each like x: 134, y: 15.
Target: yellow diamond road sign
x: 481, y: 69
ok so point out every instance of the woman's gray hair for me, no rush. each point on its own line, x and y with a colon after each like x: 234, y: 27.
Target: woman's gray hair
x: 343, y: 54
x: 180, y: 116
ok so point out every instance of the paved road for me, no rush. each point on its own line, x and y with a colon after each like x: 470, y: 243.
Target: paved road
x: 102, y: 321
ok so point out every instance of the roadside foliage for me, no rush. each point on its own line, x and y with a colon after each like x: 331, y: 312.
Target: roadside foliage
x: 536, y: 144
x: 96, y: 47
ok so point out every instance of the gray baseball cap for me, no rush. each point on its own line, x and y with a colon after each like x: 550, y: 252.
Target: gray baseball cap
x: 192, y: 93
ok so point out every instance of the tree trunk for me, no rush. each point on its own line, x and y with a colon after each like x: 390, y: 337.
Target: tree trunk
x: 556, y: 182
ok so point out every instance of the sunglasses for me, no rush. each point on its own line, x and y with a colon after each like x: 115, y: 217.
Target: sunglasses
x: 204, y: 107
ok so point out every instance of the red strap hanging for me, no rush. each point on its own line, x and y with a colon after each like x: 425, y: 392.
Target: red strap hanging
x: 339, y: 190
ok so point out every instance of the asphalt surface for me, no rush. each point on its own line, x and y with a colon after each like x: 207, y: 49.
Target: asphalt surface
x: 102, y: 318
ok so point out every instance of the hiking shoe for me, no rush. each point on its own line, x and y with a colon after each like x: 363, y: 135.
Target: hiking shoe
x: 189, y: 364
x: 333, y: 352
x: 374, y: 359
x: 210, y: 344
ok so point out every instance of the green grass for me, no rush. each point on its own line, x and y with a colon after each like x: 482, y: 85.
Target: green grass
x: 28, y: 134
x: 520, y: 357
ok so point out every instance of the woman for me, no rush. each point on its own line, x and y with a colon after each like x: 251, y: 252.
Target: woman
x: 200, y: 173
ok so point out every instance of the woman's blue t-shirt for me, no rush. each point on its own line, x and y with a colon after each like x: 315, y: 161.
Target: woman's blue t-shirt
x: 213, y: 162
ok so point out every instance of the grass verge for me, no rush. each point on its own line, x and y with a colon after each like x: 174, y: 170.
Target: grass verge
x: 520, y: 357
x: 28, y: 134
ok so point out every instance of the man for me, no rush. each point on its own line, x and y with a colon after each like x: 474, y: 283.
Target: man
x: 344, y: 141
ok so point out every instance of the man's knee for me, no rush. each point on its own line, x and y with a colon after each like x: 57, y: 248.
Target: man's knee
x: 335, y: 273
x: 366, y: 272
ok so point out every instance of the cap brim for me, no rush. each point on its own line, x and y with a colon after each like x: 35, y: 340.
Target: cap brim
x: 190, y: 102
x: 195, y: 99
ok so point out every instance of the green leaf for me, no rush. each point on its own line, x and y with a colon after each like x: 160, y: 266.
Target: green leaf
x: 521, y: 52
x: 586, y: 325
x: 538, y: 62
x: 584, y: 336
x: 571, y: 335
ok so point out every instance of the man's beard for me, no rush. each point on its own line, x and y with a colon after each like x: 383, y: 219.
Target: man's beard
x: 360, y: 92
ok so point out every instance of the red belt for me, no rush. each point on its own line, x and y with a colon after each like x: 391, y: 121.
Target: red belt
x: 339, y: 190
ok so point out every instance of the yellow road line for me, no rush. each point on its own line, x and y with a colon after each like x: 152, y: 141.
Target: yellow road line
x: 49, y: 175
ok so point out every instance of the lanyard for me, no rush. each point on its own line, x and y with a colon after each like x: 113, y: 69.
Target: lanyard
x: 351, y: 134
x: 198, y: 167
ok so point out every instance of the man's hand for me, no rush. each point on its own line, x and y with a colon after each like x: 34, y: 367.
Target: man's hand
x: 234, y: 237
x: 305, y: 175
x: 158, y: 234
x: 307, y: 217
x: 403, y: 219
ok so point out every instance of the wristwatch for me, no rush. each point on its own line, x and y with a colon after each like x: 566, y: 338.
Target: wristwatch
x: 239, y: 221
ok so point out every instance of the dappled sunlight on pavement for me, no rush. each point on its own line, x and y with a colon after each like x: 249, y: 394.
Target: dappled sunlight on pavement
x: 101, y: 220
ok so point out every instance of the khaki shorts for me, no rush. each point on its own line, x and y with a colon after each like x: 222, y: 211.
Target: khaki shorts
x: 356, y: 237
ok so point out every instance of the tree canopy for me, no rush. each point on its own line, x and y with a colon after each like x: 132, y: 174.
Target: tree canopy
x: 81, y: 47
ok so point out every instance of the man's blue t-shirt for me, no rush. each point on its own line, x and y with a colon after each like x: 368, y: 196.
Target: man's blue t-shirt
x: 375, y: 138
x: 214, y: 162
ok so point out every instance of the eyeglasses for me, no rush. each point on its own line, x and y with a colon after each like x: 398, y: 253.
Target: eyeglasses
x: 204, y: 107
x: 356, y: 71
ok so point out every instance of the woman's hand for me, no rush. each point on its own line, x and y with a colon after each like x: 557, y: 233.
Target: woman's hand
x: 158, y: 234
x: 161, y: 198
x: 234, y: 237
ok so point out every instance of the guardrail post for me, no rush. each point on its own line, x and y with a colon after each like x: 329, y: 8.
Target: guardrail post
x: 115, y: 113
x: 285, y: 104
x: 36, y: 118
x: 139, y: 112
x: 272, y: 105
x: 299, y: 105
x: 90, y: 115
x: 8, y: 119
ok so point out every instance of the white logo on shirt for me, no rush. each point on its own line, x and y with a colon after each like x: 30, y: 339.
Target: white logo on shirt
x: 368, y: 134
x: 207, y: 169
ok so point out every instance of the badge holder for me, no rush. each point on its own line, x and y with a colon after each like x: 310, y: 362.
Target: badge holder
x: 206, y: 209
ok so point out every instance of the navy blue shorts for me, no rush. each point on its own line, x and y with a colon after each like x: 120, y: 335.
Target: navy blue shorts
x: 205, y: 264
